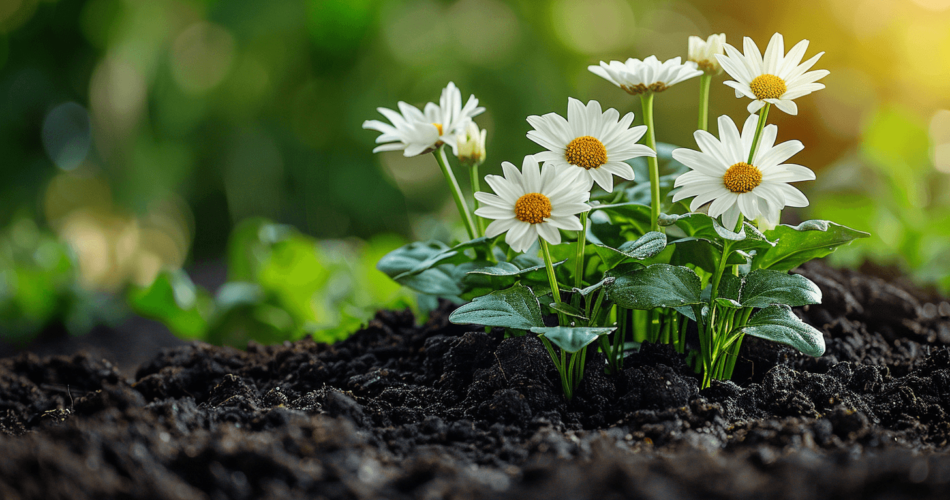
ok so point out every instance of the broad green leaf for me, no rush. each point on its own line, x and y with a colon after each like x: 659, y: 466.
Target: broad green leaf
x: 763, y: 287
x: 729, y: 290
x: 643, y: 247
x: 510, y: 269
x: 609, y: 223
x: 567, y: 309
x: 571, y: 339
x: 809, y: 240
x: 407, y: 258
x: 700, y: 225
x: 778, y: 324
x: 659, y: 285
x: 515, y: 307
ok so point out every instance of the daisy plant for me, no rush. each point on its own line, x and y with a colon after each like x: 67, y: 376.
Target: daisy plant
x: 599, y: 243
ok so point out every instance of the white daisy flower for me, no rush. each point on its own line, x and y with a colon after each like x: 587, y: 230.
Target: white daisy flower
x: 415, y: 132
x: 777, y: 79
x: 532, y: 203
x: 636, y: 76
x: 721, y: 175
x: 703, y: 52
x: 595, y: 141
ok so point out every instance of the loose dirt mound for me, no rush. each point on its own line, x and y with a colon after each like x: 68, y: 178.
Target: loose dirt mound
x: 403, y: 411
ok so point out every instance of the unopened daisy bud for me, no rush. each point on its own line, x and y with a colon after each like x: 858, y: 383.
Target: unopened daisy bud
x: 471, y: 145
x: 703, y: 52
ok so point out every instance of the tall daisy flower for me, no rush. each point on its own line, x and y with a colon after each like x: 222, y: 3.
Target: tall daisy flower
x: 594, y: 141
x: 720, y: 173
x: 637, y: 77
x: 532, y: 203
x: 776, y: 78
x: 415, y: 132
x: 703, y: 52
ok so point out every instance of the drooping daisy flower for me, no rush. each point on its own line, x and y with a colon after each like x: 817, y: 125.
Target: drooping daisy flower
x: 415, y: 132
x: 703, y: 52
x: 778, y: 78
x: 636, y: 76
x: 471, y: 145
x: 721, y: 175
x: 533, y: 203
x: 595, y: 141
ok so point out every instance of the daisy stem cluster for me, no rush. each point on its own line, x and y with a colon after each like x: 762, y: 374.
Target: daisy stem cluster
x: 456, y: 192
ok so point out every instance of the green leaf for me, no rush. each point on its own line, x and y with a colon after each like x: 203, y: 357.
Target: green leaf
x: 609, y: 223
x: 729, y: 291
x: 510, y: 269
x: 175, y: 301
x: 571, y: 338
x: 809, y: 240
x: 703, y: 254
x: 778, y: 324
x: 567, y: 309
x: 659, y: 285
x: 406, y: 258
x: 763, y: 287
x: 515, y: 307
x: 643, y: 247
x: 593, y: 288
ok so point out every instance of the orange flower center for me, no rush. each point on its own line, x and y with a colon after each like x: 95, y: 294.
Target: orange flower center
x: 533, y: 208
x: 439, y: 127
x: 586, y: 152
x: 742, y: 178
x: 768, y: 87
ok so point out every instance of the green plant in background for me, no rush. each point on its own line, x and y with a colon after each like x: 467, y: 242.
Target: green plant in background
x: 282, y: 285
x: 904, y: 199
x: 40, y: 288
x: 641, y: 267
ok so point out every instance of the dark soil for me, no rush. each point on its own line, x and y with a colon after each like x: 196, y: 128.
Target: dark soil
x: 443, y: 411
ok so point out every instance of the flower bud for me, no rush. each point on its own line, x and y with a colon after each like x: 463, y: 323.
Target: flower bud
x: 703, y: 52
x: 768, y: 220
x: 471, y: 145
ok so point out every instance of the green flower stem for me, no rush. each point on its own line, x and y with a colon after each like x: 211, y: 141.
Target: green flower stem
x: 704, y: 84
x: 763, y: 117
x: 456, y: 192
x: 476, y: 187
x: 646, y: 102
x: 579, y: 256
x: 552, y: 279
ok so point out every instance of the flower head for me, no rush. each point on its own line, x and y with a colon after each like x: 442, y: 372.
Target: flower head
x: 777, y: 78
x: 533, y: 202
x: 703, y: 52
x: 649, y: 75
x: 721, y: 175
x: 594, y: 142
x: 471, y: 145
x: 415, y: 132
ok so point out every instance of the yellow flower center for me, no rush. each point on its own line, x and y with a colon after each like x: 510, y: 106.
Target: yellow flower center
x: 586, y: 152
x: 439, y: 127
x: 533, y: 208
x: 768, y: 87
x: 742, y: 178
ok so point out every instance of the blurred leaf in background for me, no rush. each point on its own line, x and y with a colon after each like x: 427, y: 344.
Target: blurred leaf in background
x: 282, y: 285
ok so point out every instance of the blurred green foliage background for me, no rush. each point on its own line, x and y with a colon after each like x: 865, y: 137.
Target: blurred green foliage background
x: 142, y: 132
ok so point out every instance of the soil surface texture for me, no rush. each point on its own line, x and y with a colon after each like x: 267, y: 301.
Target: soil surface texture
x: 443, y: 411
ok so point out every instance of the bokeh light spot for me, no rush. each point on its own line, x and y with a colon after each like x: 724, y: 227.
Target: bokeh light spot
x: 67, y: 135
